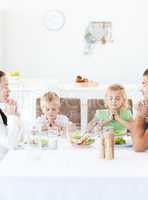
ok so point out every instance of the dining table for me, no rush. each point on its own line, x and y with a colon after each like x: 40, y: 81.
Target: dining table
x: 73, y: 172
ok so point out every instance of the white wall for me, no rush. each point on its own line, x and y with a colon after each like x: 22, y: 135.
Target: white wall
x: 1, y: 39
x: 40, y: 53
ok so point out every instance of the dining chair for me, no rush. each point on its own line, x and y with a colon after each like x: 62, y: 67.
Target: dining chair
x: 69, y: 107
x: 94, y: 104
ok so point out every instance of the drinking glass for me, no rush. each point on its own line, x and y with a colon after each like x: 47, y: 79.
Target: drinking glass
x: 53, y: 138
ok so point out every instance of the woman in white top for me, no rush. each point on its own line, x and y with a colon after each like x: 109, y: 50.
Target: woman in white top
x: 9, y: 118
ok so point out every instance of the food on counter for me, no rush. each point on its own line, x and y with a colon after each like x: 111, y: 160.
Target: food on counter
x: 84, y: 82
x: 80, y: 79
x: 77, y: 138
x: 120, y: 140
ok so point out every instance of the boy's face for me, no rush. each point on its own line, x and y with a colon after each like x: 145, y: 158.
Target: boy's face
x: 4, y: 90
x: 50, y: 110
x: 114, y: 100
x: 144, y: 88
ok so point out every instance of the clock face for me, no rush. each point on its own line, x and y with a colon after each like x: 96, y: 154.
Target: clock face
x: 54, y: 20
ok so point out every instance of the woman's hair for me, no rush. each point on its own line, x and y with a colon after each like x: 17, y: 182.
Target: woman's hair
x: 120, y: 88
x: 145, y: 73
x: 3, y: 116
x: 2, y: 74
x: 50, y: 97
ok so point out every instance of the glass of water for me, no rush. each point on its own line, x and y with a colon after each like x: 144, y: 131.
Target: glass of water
x: 53, y: 138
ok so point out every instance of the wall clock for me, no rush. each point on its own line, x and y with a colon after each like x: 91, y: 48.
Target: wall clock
x: 54, y: 20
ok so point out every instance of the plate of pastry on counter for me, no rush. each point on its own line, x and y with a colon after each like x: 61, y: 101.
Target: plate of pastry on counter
x: 85, y: 82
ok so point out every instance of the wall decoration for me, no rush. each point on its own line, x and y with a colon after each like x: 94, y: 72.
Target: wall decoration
x: 97, y: 32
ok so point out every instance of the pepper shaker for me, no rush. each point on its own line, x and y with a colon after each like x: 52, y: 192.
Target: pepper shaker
x: 109, y: 145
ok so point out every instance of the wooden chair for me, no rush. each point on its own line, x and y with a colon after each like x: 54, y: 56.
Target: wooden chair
x: 94, y: 104
x: 69, y: 107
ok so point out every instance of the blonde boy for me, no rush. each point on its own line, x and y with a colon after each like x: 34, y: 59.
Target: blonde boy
x: 50, y: 106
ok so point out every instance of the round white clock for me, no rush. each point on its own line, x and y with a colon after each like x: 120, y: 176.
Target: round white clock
x: 54, y: 20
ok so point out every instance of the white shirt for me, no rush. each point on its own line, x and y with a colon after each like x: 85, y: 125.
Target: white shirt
x: 9, y: 134
x: 61, y: 120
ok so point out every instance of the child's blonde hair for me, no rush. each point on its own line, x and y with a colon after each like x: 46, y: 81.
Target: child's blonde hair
x: 49, y: 98
x: 117, y: 87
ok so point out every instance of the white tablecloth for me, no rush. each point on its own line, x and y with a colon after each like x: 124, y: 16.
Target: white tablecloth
x: 71, y: 173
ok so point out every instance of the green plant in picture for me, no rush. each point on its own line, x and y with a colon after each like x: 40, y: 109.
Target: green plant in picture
x: 89, y: 38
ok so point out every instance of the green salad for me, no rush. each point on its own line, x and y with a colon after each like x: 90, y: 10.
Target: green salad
x: 77, y: 138
x: 120, y: 140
